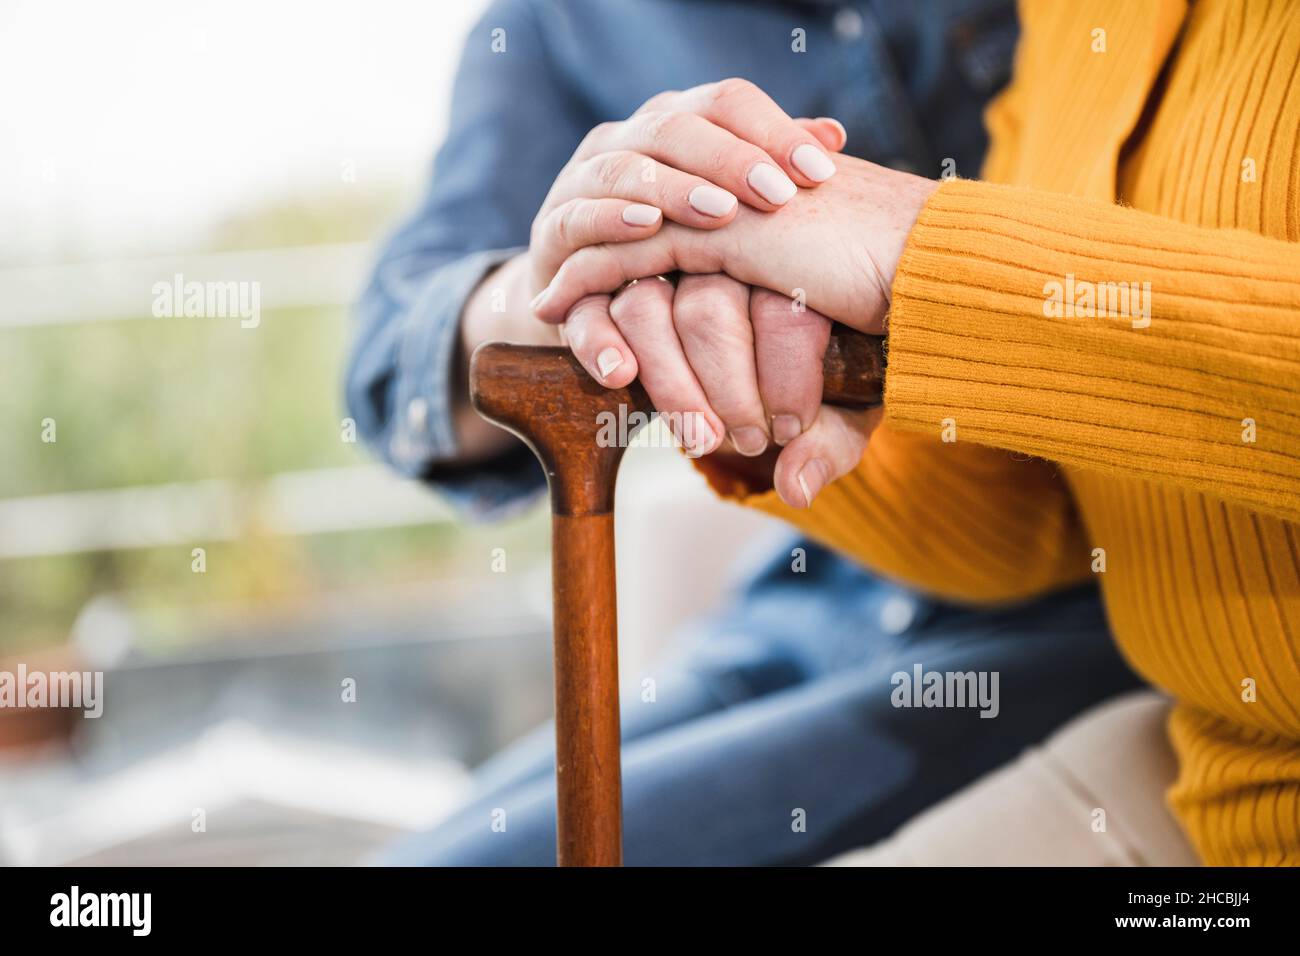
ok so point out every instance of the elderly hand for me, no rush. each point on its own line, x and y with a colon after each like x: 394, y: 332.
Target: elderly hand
x: 715, y: 357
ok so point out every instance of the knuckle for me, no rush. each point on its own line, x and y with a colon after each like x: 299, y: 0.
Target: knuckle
x: 575, y: 223
x: 732, y: 89
x: 716, y: 164
x: 592, y: 305
x: 611, y: 169
x: 600, y: 133
x: 584, y: 221
x: 773, y: 312
x: 636, y: 307
x: 781, y: 134
x: 702, y: 307
x: 663, y: 127
x: 581, y: 315
x: 658, y: 102
x: 562, y: 224
x: 765, y: 304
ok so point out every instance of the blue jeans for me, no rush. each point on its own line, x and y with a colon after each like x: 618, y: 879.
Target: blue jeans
x: 773, y: 738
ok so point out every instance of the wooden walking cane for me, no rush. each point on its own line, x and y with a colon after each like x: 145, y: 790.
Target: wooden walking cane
x: 546, y: 397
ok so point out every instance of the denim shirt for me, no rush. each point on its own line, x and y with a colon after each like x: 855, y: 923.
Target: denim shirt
x: 907, y: 78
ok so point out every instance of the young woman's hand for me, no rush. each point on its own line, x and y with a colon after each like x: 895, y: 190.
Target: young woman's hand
x: 836, y: 248
x: 691, y: 157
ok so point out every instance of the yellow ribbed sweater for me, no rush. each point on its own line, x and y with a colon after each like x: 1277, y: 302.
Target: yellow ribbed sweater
x: 1171, y: 157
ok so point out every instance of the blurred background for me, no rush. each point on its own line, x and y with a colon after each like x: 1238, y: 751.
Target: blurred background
x: 183, y: 504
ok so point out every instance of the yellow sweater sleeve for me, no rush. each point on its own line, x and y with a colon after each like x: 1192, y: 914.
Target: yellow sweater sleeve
x: 1205, y: 395
x: 961, y: 522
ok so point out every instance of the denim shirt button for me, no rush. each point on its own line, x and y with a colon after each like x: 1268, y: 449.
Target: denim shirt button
x: 847, y: 23
x: 417, y: 415
x: 400, y: 449
x: 897, y: 614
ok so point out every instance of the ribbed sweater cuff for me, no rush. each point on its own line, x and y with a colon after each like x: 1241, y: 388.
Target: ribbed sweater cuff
x: 1190, y: 333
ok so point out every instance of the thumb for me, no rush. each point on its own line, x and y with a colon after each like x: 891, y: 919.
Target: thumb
x: 832, y: 447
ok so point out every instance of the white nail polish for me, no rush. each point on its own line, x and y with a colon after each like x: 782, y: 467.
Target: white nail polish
x: 639, y: 214
x: 813, y: 163
x: 711, y: 201
x: 608, y: 360
x: 772, y: 184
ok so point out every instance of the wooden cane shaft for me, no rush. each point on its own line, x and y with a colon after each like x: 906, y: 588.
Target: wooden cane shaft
x: 588, y: 785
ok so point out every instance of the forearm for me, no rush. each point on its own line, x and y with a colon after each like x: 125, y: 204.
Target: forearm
x: 1102, y: 337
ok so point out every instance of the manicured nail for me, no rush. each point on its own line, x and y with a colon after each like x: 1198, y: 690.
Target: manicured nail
x: 786, y: 428
x: 772, y: 184
x: 698, y: 435
x: 812, y: 478
x: 844, y: 134
x: 639, y: 214
x: 608, y: 360
x: 749, y: 441
x: 711, y: 201
x: 539, y: 298
x: 813, y: 163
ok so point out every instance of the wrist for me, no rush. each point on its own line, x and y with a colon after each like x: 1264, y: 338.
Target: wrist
x: 498, y: 311
x: 913, y: 196
x: 496, y: 307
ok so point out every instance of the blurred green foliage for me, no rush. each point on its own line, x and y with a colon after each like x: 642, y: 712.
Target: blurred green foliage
x: 145, y: 401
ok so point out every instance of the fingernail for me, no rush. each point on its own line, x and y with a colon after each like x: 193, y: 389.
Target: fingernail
x: 639, y: 214
x: 711, y: 201
x: 749, y: 441
x: 698, y: 435
x: 539, y: 299
x: 844, y: 134
x: 813, y: 163
x: 812, y: 478
x: 772, y: 184
x: 608, y: 360
x: 786, y: 428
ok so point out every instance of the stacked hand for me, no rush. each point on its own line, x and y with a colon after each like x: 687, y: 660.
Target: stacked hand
x: 736, y: 348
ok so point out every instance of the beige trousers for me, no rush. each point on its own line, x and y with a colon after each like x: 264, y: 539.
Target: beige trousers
x: 1093, y: 794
